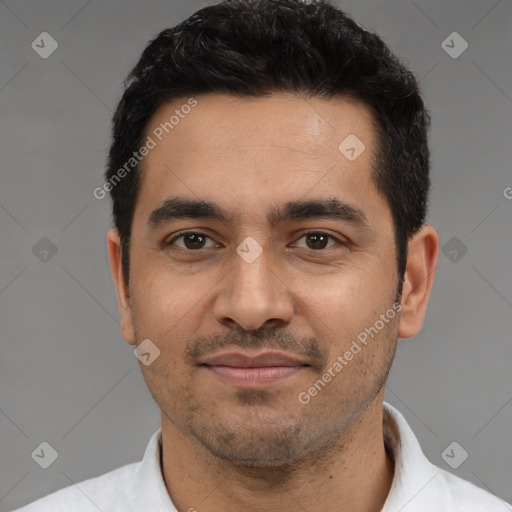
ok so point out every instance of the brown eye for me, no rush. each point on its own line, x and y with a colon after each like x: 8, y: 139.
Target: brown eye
x: 318, y: 240
x: 191, y: 240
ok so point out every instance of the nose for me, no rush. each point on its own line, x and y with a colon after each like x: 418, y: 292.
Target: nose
x: 254, y: 294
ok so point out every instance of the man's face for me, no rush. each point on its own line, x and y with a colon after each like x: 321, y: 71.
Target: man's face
x: 243, y: 338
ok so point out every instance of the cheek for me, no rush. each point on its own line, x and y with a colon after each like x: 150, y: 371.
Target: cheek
x: 348, y: 299
x: 168, y: 311
x: 346, y: 313
x: 161, y: 302
x: 357, y: 369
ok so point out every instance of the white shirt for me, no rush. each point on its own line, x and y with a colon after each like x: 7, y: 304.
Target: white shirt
x: 418, y: 485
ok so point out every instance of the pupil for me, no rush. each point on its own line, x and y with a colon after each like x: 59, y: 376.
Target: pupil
x: 318, y: 235
x: 193, y: 236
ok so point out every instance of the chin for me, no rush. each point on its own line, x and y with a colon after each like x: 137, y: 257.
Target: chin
x: 271, y: 455
x: 266, y: 442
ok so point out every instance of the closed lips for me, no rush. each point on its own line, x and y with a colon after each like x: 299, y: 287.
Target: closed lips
x: 253, y: 371
x: 239, y: 360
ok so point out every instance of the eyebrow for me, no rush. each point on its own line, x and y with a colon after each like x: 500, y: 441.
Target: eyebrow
x: 332, y: 208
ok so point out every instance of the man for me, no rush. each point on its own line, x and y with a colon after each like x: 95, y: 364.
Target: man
x: 269, y: 172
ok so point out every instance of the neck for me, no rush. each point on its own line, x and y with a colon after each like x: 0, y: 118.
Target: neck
x: 355, y: 473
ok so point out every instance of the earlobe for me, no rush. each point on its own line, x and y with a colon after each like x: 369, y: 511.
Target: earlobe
x: 123, y: 296
x: 419, y: 276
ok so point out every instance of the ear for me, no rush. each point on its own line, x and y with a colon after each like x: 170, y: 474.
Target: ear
x: 423, y: 253
x: 123, y: 295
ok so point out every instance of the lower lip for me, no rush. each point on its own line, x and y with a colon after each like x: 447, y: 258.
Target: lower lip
x: 250, y: 377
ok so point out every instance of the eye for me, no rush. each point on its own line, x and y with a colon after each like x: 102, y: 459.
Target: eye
x: 192, y: 240
x: 316, y: 240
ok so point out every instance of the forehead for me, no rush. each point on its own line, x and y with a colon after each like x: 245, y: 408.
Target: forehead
x: 237, y: 147
x: 220, y: 121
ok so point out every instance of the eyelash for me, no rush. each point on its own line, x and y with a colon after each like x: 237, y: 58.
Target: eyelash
x: 184, y: 233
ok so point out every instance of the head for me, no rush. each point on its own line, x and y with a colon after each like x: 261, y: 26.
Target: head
x: 291, y: 146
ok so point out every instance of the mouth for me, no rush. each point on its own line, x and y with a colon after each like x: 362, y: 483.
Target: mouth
x: 246, y: 371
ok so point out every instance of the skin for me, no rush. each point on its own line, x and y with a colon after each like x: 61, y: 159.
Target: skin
x: 227, y: 447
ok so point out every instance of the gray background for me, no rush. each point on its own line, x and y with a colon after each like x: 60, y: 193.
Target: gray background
x: 69, y: 378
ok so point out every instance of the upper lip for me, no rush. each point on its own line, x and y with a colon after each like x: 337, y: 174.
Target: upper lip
x: 241, y: 360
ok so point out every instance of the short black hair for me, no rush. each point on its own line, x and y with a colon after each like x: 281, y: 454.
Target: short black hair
x: 257, y: 47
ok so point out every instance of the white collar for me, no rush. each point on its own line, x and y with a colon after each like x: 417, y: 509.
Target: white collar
x: 418, y: 485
